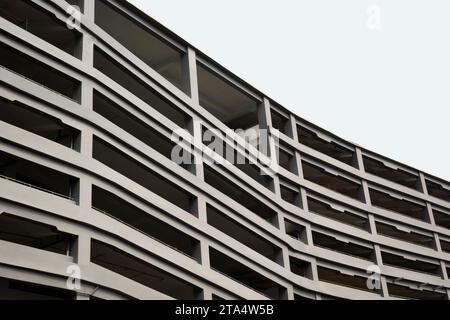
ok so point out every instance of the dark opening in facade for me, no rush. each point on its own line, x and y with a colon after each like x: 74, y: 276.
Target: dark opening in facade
x: 34, y: 234
x: 343, y: 279
x: 331, y: 181
x: 135, y: 126
x: 225, y: 101
x: 40, y: 123
x: 39, y: 72
x: 325, y: 146
x: 19, y: 290
x: 404, y: 234
x: 402, y: 206
x: 401, y: 291
x: 244, y: 235
x: 43, y: 24
x: 223, y: 184
x: 300, y: 267
x: 245, y: 275
x: 37, y: 176
x: 291, y: 194
x: 118, y: 261
x: 121, y: 210
x: 141, y: 41
x: 396, y: 175
x: 344, y: 216
x: 329, y: 242
x: 287, y: 159
x: 441, y: 218
x: 280, y: 122
x: 214, y: 140
x: 111, y: 68
x: 438, y: 190
x: 130, y: 168
x: 296, y: 231
x: 417, y: 265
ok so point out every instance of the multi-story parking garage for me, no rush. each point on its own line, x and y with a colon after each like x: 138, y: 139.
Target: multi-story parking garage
x: 89, y: 186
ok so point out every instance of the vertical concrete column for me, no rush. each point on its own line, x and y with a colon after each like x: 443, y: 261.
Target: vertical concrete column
x: 201, y: 209
x: 445, y: 275
x: 314, y: 272
x: 81, y: 252
x: 190, y: 86
x: 207, y: 294
x: 422, y: 184
x: 430, y: 215
x: 265, y: 123
x: 379, y: 262
x: 292, y: 127
x: 290, y: 292
x: 190, y: 78
x: 195, y: 128
x: 378, y: 258
x: 204, y: 251
x: 87, y: 55
x: 88, y: 11
x: 292, y: 131
x: 365, y: 195
x: 309, y: 237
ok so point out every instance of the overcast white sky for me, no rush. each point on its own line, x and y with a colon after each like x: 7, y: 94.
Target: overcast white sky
x: 381, y: 81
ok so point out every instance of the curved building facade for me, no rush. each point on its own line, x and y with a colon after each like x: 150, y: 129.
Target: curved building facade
x: 95, y: 205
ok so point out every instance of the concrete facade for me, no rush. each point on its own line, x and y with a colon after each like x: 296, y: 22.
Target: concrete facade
x: 86, y: 119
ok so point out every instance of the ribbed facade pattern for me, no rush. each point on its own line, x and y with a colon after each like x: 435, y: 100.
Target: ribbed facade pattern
x: 89, y: 188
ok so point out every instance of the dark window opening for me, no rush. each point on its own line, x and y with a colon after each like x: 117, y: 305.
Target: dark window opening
x: 119, y: 74
x: 400, y: 291
x: 291, y: 195
x: 212, y: 140
x: 334, y: 182
x: 441, y: 219
x: 344, y: 216
x: 438, y: 190
x: 39, y: 72
x: 408, y: 236
x: 142, y: 221
x: 142, y: 272
x: 399, y: 176
x: 330, y: 148
x: 44, y: 125
x: 18, y: 290
x: 296, y: 231
x: 34, y: 234
x: 286, y: 159
x: 134, y: 126
x: 230, y: 105
x: 410, y: 264
x: 342, y: 279
x: 445, y: 245
x: 245, y: 275
x: 300, y: 267
x: 36, y: 176
x: 130, y: 168
x: 280, y: 122
x: 239, y: 195
x: 142, y: 42
x: 42, y: 24
x: 405, y: 207
x: 244, y: 235
x: 347, y: 247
